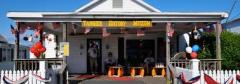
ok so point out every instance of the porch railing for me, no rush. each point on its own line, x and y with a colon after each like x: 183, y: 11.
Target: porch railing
x: 33, y: 64
x: 181, y: 63
x: 209, y: 64
x: 205, y: 64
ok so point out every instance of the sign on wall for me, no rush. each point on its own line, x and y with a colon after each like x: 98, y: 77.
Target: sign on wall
x: 117, y: 23
x: 64, y: 48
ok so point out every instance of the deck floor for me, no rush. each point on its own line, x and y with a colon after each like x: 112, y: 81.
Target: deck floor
x: 103, y: 79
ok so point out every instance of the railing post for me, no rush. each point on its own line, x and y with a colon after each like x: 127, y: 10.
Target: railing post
x: 195, y: 67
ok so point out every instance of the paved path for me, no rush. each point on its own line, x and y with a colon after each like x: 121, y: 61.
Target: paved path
x: 122, y: 80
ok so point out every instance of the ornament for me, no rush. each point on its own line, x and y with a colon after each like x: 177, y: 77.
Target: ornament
x: 30, y: 38
x: 195, y: 48
x: 25, y: 38
x: 189, y: 50
x: 194, y: 55
x: 37, y: 49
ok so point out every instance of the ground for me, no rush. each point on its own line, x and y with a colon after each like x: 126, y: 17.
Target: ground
x: 86, y: 79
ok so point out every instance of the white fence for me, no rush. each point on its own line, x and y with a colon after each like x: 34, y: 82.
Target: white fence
x: 19, y: 75
x: 221, y: 76
x: 217, y: 75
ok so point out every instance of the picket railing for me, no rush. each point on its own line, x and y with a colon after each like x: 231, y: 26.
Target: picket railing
x: 18, y: 75
x: 220, y: 76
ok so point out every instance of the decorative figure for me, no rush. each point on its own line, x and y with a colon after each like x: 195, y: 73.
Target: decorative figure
x: 37, y: 49
x: 25, y: 38
x: 195, y: 48
x: 193, y: 55
x: 30, y: 38
x: 189, y: 50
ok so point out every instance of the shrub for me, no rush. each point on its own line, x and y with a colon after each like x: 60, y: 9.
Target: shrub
x: 230, y: 49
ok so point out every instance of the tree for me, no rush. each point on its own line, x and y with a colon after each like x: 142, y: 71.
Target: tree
x: 230, y: 49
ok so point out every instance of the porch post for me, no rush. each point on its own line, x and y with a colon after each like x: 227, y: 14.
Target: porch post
x: 16, y: 48
x: 64, y: 37
x: 168, y: 25
x: 218, y: 44
x: 63, y: 77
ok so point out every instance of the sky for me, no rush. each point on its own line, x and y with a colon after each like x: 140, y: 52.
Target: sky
x: 71, y: 5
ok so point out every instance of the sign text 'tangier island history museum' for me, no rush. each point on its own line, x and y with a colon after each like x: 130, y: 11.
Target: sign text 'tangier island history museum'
x: 117, y: 23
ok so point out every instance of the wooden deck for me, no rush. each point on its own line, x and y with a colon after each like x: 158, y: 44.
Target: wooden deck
x: 103, y: 79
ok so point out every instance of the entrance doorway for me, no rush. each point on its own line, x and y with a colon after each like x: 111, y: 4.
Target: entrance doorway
x: 98, y: 52
x: 138, y: 50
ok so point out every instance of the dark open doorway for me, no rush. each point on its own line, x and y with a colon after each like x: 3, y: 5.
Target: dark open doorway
x: 98, y: 43
x: 138, y: 50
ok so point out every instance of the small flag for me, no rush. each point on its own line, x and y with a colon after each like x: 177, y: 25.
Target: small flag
x: 105, y: 33
x: 22, y: 27
x: 36, y: 33
x: 13, y: 30
x: 74, y: 29
x: 87, y: 30
x: 140, y: 33
x: 56, y: 25
x: 170, y: 29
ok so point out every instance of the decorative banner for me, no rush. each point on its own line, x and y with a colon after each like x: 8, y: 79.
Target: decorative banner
x: 117, y: 23
x: 105, y: 33
x: 64, y: 47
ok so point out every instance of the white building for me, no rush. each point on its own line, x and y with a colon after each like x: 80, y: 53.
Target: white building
x: 7, y: 54
x: 136, y: 28
x: 233, y: 26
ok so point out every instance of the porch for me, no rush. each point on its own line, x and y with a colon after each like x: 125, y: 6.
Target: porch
x: 162, y: 29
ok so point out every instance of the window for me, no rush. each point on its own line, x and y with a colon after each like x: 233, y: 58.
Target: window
x: 117, y: 3
x: 0, y: 54
x: 12, y: 54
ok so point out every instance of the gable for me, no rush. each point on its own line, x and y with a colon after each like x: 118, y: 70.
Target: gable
x: 109, y: 6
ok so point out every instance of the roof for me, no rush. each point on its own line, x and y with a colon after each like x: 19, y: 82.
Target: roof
x: 86, y: 12
x: 2, y: 39
x: 93, y: 4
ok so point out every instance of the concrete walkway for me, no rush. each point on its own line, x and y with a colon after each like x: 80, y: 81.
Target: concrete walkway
x: 121, y: 80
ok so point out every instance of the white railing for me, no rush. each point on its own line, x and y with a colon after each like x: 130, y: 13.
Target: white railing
x: 216, y: 75
x: 31, y: 77
x: 220, y: 76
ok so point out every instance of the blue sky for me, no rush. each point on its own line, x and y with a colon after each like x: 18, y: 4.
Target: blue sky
x: 71, y: 5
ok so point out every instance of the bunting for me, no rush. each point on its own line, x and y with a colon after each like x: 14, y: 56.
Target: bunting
x: 191, y: 81
x: 22, y: 80
x: 87, y: 30
x: 170, y: 29
x: 39, y: 78
x: 74, y: 29
x: 105, y: 33
x: 56, y: 25
x: 140, y: 32
x: 238, y: 77
x: 13, y: 30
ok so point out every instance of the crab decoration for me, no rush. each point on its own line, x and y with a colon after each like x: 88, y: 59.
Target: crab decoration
x: 37, y: 49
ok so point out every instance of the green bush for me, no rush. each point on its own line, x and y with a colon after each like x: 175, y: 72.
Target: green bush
x: 230, y: 49
x: 230, y: 46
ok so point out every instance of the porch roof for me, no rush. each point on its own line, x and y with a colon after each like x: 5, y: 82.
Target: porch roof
x: 156, y: 17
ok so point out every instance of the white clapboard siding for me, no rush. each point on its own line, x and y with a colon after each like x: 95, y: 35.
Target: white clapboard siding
x: 16, y: 75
